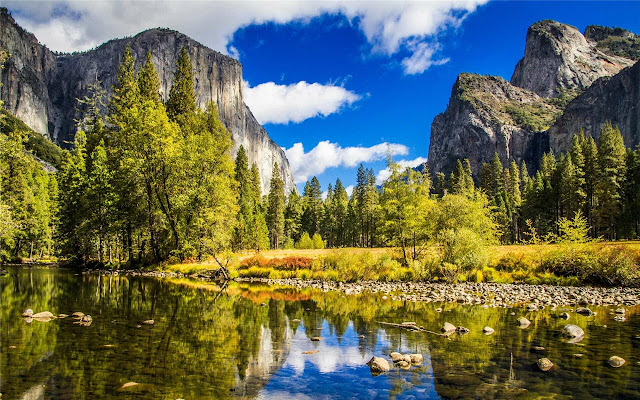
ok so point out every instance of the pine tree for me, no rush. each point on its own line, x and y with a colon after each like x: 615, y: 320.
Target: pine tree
x: 611, y: 163
x: 590, y: 153
x: 148, y: 82
x: 100, y: 197
x: 340, y: 204
x: 293, y: 217
x: 181, y: 105
x: 124, y: 102
x: 275, y: 210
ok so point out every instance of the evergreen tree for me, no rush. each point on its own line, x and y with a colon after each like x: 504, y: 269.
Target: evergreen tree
x: 611, y: 163
x: 181, y: 106
x: 293, y: 217
x: 148, y: 82
x: 275, y: 210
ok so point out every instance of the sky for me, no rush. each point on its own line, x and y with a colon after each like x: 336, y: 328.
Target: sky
x: 335, y: 83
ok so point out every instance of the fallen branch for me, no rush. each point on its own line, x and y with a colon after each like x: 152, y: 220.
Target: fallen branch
x: 410, y: 326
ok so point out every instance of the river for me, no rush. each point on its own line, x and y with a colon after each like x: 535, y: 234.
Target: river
x: 249, y: 341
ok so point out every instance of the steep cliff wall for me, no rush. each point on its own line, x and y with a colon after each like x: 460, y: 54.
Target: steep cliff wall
x: 615, y: 99
x: 558, y: 58
x: 485, y: 115
x: 565, y: 82
x: 42, y: 88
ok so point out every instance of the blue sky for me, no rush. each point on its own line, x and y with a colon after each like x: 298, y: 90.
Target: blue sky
x: 350, y: 76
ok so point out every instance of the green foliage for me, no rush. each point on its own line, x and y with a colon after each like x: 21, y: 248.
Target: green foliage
x: 622, y: 46
x: 317, y: 241
x: 574, y: 230
x: 275, y: 209
x: 536, y: 117
x: 34, y: 143
x: 305, y: 242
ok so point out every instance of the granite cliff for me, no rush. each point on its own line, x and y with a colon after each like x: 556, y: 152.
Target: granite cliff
x: 41, y: 87
x: 565, y: 81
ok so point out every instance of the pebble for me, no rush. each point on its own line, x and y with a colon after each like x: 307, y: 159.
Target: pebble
x: 544, y: 364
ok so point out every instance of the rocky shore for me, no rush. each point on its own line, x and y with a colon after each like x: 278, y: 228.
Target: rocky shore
x: 491, y: 294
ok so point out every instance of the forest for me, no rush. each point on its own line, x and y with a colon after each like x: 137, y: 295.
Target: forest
x: 148, y: 182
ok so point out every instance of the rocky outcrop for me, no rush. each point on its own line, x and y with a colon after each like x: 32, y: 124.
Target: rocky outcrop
x: 559, y: 59
x: 565, y: 82
x: 615, y: 99
x: 41, y: 87
x: 485, y: 115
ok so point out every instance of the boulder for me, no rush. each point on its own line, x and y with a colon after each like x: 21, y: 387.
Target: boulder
x: 487, y: 330
x: 584, y: 311
x: 544, y: 364
x: 416, y: 358
x: 448, y: 328
x: 395, y: 356
x: 616, y: 362
x: 43, y: 315
x: 572, y: 331
x: 403, y: 364
x: 378, y: 366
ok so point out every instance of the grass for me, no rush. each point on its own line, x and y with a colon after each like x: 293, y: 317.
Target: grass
x: 604, y: 263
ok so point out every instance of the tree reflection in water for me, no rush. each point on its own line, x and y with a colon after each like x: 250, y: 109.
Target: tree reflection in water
x: 248, y: 341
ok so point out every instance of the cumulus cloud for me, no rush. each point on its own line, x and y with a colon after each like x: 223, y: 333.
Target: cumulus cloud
x: 330, y: 155
x: 422, y: 58
x: 391, y: 27
x: 384, y: 174
x: 281, y: 104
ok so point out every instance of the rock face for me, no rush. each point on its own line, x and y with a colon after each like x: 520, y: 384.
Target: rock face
x: 559, y: 58
x: 41, y: 87
x: 566, y: 81
x: 615, y: 99
x: 482, y: 118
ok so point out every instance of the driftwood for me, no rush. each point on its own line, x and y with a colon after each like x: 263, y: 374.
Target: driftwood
x: 410, y: 326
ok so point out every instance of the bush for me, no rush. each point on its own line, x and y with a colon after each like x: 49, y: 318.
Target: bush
x: 609, y: 266
x: 464, y: 248
x: 318, y: 243
x: 305, y: 242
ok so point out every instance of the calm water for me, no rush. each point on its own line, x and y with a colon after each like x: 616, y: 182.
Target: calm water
x: 248, y: 342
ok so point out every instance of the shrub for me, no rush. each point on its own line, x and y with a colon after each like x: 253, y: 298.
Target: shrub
x: 464, y: 248
x: 305, y: 242
x: 318, y: 243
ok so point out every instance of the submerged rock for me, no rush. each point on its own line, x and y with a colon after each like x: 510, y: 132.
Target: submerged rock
x: 77, y: 314
x: 416, y: 358
x: 395, y: 356
x: 43, y: 316
x: 462, y: 330
x: 572, y: 331
x: 616, y: 362
x: 378, y: 365
x: 403, y: 364
x: 584, y: 311
x: 544, y: 364
x: 27, y: 313
x: 448, y: 328
x: 523, y: 322
x: 564, y: 315
x: 487, y: 330
x: 149, y: 322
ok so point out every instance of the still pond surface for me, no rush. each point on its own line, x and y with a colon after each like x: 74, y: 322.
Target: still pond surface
x: 249, y: 342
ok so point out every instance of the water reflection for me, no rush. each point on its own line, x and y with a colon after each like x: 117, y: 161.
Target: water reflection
x: 250, y: 341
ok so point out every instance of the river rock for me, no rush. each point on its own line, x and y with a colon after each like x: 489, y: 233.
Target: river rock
x: 43, y: 315
x: 620, y: 311
x: 378, y: 366
x: 395, y: 356
x: 564, y: 315
x: 620, y: 318
x: 584, y: 311
x: 448, y: 328
x: 149, y: 322
x: 27, y: 313
x: 416, y: 358
x: 537, y: 348
x: 572, y: 331
x: 86, y: 318
x: 77, y: 314
x: 462, y: 330
x: 403, y: 364
x: 544, y: 364
x: 523, y: 322
x: 438, y: 309
x: 616, y: 362
x: 62, y: 315
x: 487, y: 330
x: 316, y: 339
x: 532, y: 307
x: 129, y: 385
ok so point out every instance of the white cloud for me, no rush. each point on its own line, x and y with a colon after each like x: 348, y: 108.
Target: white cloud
x: 390, y: 26
x: 281, y: 104
x: 422, y: 59
x: 385, y: 173
x: 330, y: 155
x: 349, y: 190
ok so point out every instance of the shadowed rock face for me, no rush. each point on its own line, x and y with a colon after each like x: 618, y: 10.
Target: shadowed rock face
x: 41, y: 87
x: 558, y: 58
x: 532, y: 114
